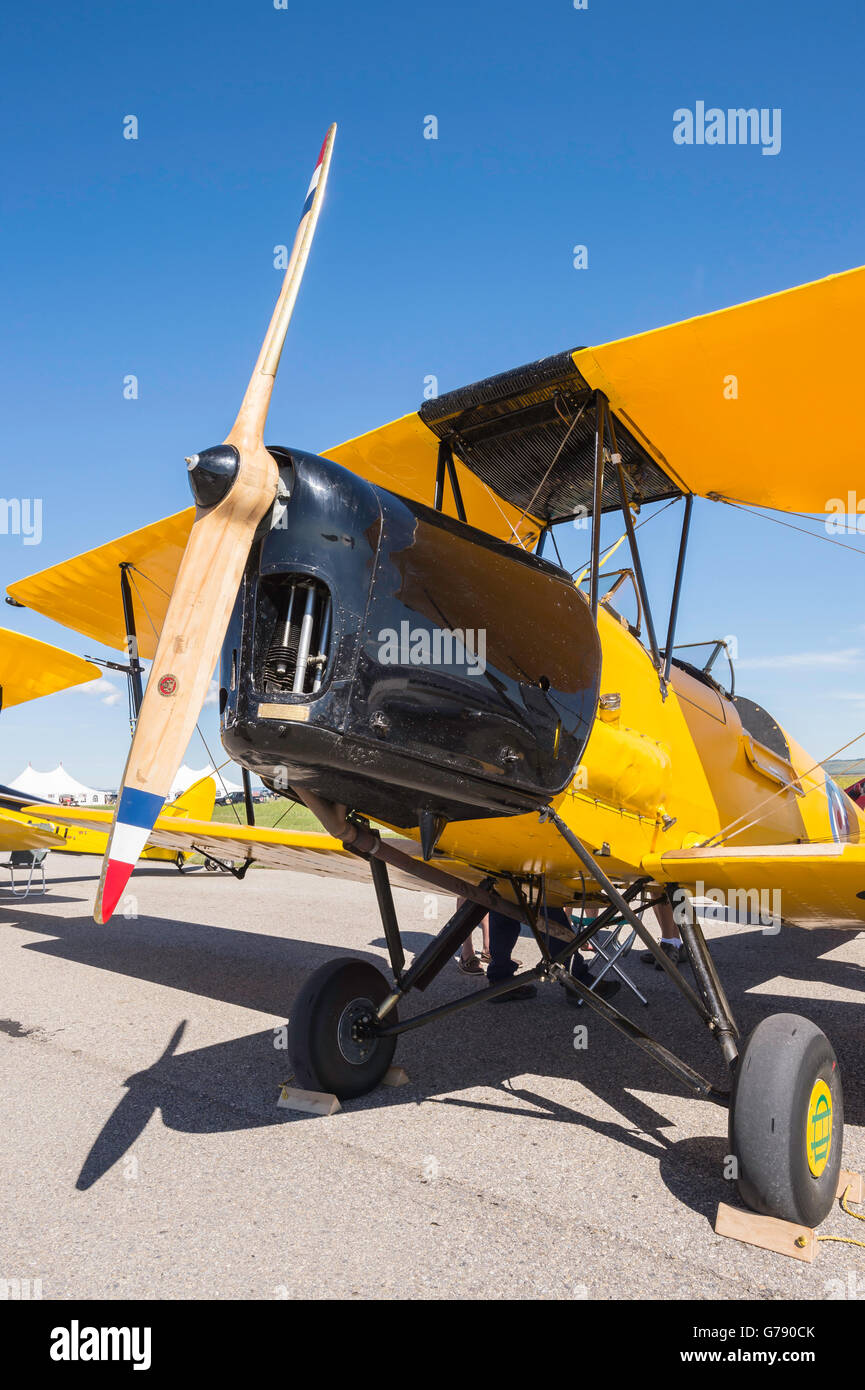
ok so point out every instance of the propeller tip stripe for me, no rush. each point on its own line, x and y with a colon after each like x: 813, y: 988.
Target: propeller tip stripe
x: 138, y: 808
x: 117, y: 875
x: 135, y: 817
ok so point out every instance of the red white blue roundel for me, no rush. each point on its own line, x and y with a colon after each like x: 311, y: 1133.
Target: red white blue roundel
x: 840, y: 813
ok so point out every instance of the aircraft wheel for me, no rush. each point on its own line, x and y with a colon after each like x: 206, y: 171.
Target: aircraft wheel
x: 323, y: 1043
x: 787, y: 1120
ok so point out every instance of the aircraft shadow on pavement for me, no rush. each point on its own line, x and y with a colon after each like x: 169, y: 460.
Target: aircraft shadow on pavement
x: 509, y: 1048
x: 234, y: 1085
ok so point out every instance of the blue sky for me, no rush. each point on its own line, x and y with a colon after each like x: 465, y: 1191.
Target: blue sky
x: 450, y: 257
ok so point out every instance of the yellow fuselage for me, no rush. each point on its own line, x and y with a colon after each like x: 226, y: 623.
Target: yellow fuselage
x: 658, y: 774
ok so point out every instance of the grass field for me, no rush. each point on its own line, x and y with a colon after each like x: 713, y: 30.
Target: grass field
x: 846, y: 771
x: 289, y: 815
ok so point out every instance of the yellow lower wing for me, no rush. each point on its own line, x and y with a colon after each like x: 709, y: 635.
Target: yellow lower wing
x: 305, y: 851
x: 22, y: 832
x: 30, y: 669
x: 807, y: 885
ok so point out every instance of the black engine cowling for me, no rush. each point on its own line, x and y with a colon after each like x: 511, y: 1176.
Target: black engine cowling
x: 387, y: 657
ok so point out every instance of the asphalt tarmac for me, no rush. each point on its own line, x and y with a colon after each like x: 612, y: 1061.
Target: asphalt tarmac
x: 142, y: 1153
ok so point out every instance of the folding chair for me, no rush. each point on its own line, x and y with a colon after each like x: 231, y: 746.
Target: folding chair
x: 612, y: 944
x: 31, y: 860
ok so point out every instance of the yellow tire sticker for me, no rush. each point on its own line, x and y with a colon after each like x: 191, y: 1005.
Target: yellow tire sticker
x: 818, y: 1140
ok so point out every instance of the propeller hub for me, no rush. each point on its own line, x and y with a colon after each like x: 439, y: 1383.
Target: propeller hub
x: 212, y: 473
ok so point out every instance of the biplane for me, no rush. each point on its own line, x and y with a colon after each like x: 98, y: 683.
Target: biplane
x: 29, y: 670
x: 89, y: 833
x: 585, y: 762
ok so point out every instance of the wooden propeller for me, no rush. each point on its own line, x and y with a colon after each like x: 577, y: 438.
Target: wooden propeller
x: 234, y: 485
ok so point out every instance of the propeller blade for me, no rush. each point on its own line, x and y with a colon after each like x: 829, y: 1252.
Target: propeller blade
x: 234, y: 484
x: 253, y: 410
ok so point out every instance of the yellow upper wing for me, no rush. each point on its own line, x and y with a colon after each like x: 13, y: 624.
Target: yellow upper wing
x: 720, y: 400
x: 817, y: 885
x: 84, y: 593
x: 30, y: 669
x: 716, y: 400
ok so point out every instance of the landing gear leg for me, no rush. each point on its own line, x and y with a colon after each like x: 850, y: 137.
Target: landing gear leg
x: 721, y: 1022
x: 334, y: 1037
x: 786, y: 1124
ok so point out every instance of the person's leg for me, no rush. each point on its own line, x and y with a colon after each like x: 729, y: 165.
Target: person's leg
x: 669, y: 927
x: 485, y: 935
x: 671, y: 941
x: 468, y: 961
x: 503, y: 933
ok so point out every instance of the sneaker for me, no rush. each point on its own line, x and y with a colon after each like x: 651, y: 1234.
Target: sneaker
x: 677, y: 954
x: 513, y: 995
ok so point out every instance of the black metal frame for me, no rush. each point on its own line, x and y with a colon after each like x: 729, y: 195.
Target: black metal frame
x: 709, y: 1001
x: 632, y: 544
x: 135, y: 669
x: 236, y: 871
x: 606, y: 444
x: 677, y: 585
x: 445, y: 463
x: 718, y: 645
x: 597, y: 499
x: 131, y: 669
x: 247, y: 795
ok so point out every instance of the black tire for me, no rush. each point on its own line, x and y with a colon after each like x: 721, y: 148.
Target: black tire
x: 771, y: 1124
x: 323, y: 1055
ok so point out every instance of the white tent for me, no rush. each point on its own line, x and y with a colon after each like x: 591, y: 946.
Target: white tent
x: 54, y: 786
x: 187, y: 776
